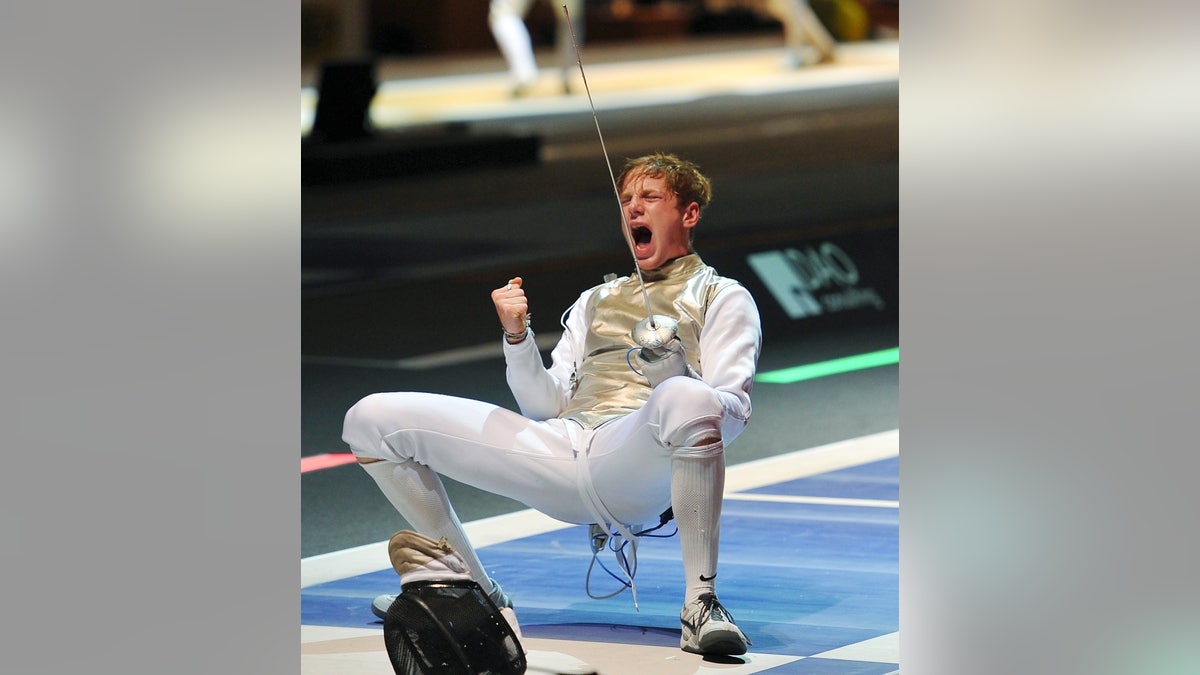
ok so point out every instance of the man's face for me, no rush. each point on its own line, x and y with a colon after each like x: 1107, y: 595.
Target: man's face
x: 659, y: 224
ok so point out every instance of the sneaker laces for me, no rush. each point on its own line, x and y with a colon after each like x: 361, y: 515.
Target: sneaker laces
x: 711, y: 609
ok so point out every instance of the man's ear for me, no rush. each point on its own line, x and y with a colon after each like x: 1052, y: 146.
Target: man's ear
x: 691, y: 215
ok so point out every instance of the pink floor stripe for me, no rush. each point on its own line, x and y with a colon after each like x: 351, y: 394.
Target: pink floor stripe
x: 315, y: 462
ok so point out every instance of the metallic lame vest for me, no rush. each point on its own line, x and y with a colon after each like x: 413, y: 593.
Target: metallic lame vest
x: 605, y: 386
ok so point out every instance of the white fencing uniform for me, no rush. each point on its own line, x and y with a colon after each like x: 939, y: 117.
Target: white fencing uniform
x: 645, y: 449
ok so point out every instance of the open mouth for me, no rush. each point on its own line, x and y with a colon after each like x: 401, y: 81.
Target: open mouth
x: 641, y: 235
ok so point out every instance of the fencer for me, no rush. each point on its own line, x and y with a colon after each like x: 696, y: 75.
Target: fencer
x: 648, y: 385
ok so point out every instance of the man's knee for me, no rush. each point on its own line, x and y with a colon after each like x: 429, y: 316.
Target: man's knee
x: 356, y: 414
x: 359, y: 425
x: 687, y: 393
x: 693, y: 416
x: 693, y: 409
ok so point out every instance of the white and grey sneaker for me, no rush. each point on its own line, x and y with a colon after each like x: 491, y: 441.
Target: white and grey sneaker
x: 708, y: 628
x: 381, y: 603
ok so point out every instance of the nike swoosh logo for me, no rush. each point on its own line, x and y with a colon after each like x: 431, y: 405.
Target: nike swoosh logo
x: 714, y: 576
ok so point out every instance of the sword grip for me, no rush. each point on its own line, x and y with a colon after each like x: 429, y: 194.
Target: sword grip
x: 655, y: 340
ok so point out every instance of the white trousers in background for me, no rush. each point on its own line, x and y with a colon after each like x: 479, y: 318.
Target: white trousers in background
x: 506, y: 18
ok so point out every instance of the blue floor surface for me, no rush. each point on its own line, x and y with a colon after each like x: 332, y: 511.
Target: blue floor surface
x: 799, y: 578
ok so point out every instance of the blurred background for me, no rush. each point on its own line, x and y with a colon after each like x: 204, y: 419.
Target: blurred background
x: 353, y: 28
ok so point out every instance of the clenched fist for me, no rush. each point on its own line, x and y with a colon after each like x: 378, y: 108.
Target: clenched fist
x: 511, y: 306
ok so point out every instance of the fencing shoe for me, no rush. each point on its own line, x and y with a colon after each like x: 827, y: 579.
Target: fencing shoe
x: 379, y: 606
x: 708, y: 628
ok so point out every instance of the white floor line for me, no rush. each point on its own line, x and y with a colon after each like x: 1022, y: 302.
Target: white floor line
x: 810, y: 462
x: 507, y: 527
x: 369, y: 558
x: 882, y: 649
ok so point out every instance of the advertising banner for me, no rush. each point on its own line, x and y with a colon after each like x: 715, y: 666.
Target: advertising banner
x: 821, y: 282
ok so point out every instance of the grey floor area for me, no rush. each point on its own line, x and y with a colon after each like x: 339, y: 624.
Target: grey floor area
x: 400, y: 267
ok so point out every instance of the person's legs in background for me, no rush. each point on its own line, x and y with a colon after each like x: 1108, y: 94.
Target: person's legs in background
x: 506, y: 18
x: 808, y: 41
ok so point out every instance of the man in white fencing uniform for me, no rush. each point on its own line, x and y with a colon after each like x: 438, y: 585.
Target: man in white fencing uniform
x: 631, y: 418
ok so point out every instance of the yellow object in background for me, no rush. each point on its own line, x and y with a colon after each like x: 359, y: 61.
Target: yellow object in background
x: 847, y: 20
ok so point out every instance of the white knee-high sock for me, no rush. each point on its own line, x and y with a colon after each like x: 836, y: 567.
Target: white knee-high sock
x: 418, y: 494
x: 697, y: 485
x: 513, y: 39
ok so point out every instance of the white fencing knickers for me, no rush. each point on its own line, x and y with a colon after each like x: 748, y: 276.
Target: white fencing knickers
x: 489, y: 447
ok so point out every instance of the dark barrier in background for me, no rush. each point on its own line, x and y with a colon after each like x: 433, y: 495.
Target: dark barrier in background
x: 344, y: 99
x: 344, y: 146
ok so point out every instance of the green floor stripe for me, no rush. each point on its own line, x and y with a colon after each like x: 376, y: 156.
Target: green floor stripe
x: 883, y: 357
